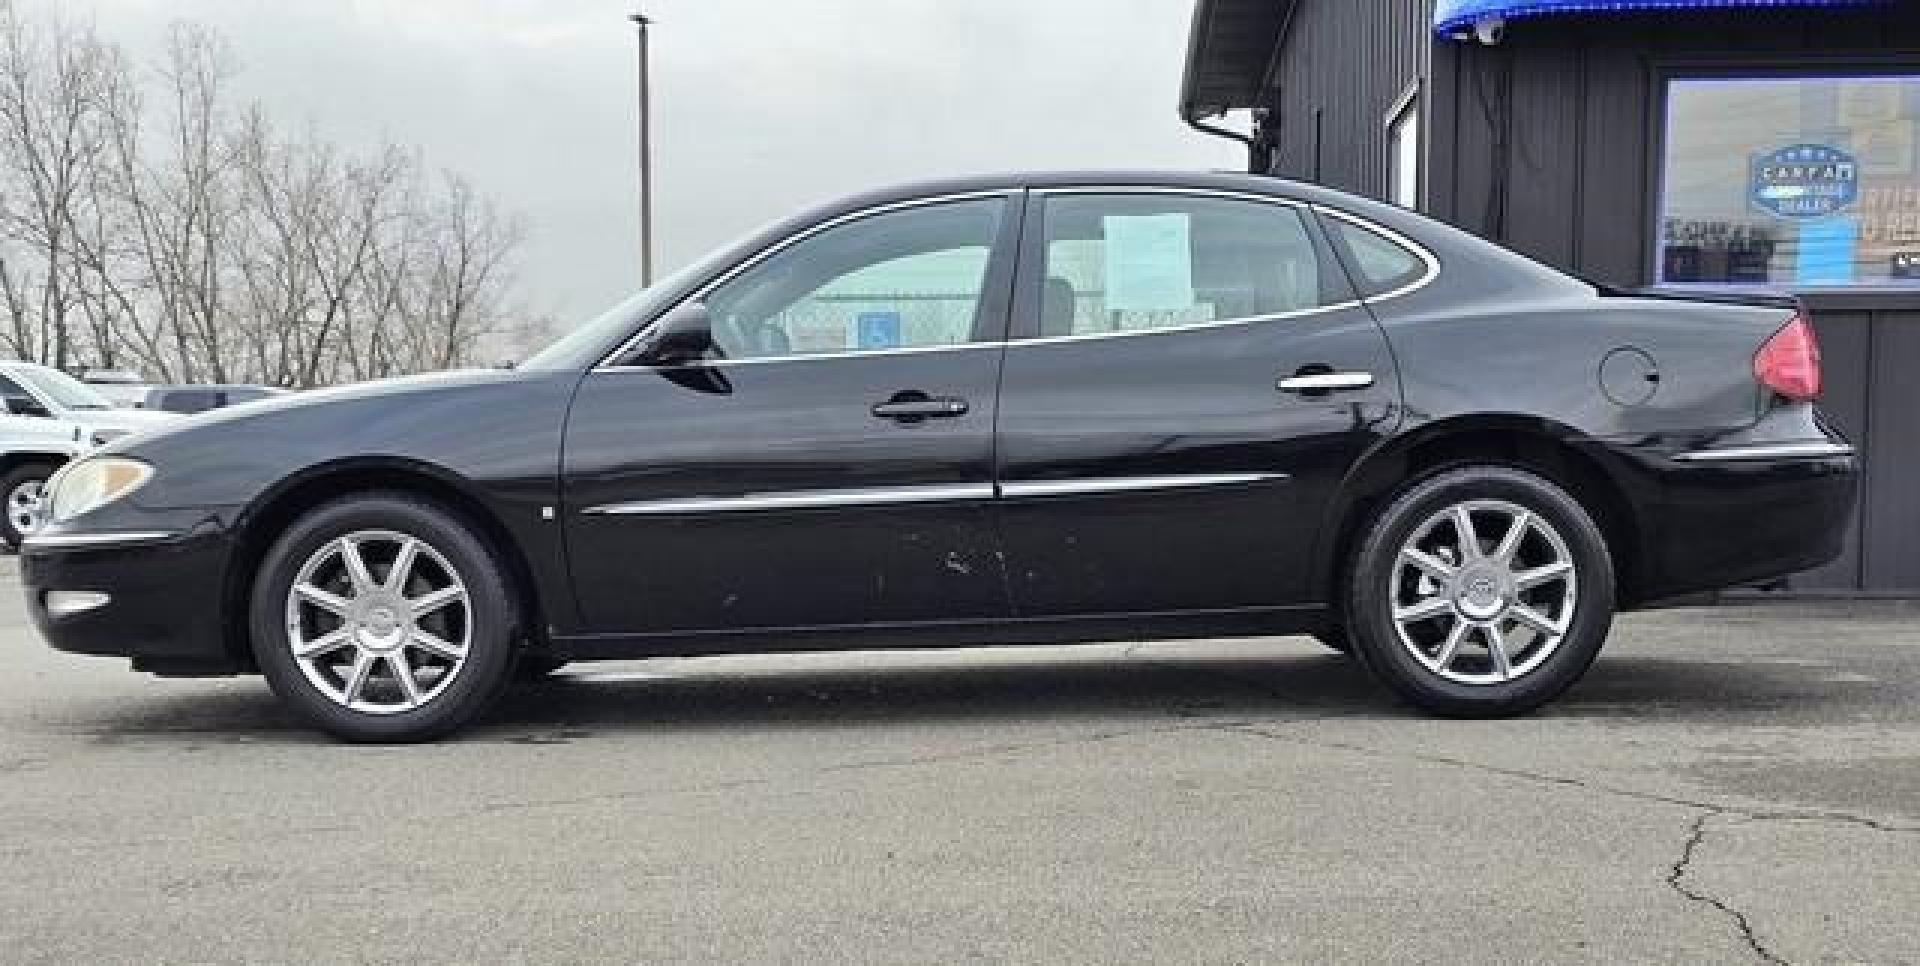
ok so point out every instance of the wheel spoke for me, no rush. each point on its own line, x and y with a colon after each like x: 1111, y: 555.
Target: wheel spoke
x: 1455, y: 638
x: 403, y: 675
x: 1424, y: 610
x: 325, y: 600
x: 1497, y: 648
x: 356, y: 566
x: 431, y: 601
x: 403, y: 566
x: 357, y: 678
x: 364, y: 579
x: 324, y: 644
x: 1433, y: 566
x: 1536, y: 620
x: 1463, y: 529
x: 433, y: 644
x: 1529, y: 579
x: 1516, y: 533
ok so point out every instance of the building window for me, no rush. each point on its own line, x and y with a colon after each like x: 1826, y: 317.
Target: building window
x: 1791, y: 182
x: 1403, y: 154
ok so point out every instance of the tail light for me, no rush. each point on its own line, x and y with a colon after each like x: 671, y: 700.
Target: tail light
x: 1789, y: 363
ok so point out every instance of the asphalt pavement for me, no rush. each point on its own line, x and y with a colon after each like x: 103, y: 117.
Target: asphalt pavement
x: 1729, y: 785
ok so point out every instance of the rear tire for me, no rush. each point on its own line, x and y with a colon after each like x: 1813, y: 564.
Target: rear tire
x: 1481, y: 592
x: 384, y: 618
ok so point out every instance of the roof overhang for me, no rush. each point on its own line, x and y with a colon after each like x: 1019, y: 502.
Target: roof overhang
x: 1228, y: 52
x: 1457, y: 17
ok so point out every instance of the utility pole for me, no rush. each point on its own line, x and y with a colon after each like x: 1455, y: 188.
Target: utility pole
x: 641, y: 21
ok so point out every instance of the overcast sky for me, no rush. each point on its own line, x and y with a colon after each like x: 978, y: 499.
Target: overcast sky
x: 762, y: 106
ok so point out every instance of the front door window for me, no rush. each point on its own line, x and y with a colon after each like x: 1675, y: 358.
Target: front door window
x: 908, y: 279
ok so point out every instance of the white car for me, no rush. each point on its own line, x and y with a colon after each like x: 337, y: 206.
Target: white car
x: 124, y: 389
x: 50, y: 418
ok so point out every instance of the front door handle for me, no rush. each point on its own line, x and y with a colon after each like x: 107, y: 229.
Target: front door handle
x: 1318, y: 383
x: 912, y: 407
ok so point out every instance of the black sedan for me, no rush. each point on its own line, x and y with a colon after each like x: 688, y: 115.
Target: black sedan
x: 1033, y: 409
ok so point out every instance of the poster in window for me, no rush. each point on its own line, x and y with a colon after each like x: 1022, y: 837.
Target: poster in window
x: 1149, y: 263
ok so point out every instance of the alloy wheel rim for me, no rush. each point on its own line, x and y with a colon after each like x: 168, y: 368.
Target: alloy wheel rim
x: 379, y: 622
x: 23, y: 507
x: 1483, y: 592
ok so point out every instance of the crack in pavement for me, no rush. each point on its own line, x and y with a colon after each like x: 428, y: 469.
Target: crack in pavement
x: 1697, y: 829
x: 1718, y: 808
x: 1676, y: 879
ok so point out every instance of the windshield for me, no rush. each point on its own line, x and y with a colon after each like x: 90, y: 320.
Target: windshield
x: 62, y: 390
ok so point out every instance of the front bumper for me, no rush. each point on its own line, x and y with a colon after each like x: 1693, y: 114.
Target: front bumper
x: 166, y: 604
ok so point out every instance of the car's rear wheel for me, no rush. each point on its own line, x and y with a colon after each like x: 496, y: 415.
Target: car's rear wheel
x: 22, y: 489
x: 1480, y: 592
x: 383, y: 617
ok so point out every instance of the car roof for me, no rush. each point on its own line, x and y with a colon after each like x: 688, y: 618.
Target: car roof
x: 1122, y: 177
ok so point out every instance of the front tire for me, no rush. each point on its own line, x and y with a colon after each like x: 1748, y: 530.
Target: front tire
x: 383, y: 618
x: 1481, y: 592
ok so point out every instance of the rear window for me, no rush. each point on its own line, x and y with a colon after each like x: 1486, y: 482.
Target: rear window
x: 1380, y: 264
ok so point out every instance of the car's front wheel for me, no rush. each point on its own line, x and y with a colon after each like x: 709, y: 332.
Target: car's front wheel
x: 1480, y: 592
x: 383, y: 617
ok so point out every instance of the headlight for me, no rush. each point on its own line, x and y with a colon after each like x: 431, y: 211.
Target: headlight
x: 93, y: 483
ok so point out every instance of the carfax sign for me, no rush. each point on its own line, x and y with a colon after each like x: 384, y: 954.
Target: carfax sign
x: 1806, y: 181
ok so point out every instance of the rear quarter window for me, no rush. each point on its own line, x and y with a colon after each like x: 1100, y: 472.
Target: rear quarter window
x: 1378, y: 263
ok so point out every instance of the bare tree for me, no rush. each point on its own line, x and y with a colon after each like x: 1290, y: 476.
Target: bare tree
x: 147, y: 219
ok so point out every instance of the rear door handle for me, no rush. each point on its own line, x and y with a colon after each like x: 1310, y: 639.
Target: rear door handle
x: 912, y: 407
x: 1324, y: 382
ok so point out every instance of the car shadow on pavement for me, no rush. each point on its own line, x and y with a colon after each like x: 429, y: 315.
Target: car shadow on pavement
x: 957, y: 686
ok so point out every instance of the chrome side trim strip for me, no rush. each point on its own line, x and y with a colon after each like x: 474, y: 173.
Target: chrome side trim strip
x: 1131, y: 484
x: 798, y: 500
x: 68, y: 541
x: 1769, y: 451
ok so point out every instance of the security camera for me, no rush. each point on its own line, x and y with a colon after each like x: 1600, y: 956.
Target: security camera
x: 1490, y: 30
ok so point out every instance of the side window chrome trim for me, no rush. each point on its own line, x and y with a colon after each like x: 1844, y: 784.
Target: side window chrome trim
x: 1420, y: 251
x: 1190, y: 326
x: 1148, y: 189
x: 810, y: 357
x: 972, y: 346
x: 1001, y: 194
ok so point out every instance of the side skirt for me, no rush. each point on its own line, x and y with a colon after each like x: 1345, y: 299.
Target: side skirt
x: 1084, y: 629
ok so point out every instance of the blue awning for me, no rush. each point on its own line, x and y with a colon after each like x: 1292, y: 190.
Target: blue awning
x: 1451, y: 16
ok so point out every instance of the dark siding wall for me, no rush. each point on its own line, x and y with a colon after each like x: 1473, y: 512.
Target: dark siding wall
x: 1544, y: 142
x: 1348, y: 61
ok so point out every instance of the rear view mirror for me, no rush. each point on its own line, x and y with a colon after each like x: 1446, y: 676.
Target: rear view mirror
x: 683, y: 335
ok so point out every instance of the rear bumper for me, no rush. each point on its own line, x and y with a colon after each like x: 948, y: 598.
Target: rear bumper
x: 1733, y: 517
x: 164, y: 597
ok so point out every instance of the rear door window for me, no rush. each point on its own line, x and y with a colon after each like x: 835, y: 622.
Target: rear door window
x: 1120, y: 263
